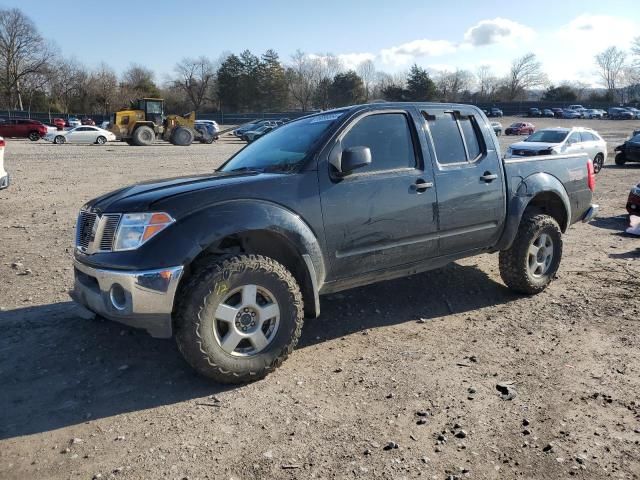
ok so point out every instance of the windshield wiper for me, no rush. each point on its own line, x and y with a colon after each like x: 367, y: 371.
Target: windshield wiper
x: 247, y: 169
x: 280, y: 168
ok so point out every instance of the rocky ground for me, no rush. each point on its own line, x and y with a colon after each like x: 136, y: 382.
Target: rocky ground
x: 441, y: 375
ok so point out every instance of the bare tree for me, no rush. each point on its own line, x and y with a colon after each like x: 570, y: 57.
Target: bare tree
x: 196, y: 77
x: 138, y: 81
x: 302, y: 78
x: 23, y: 52
x: 367, y: 72
x: 103, y: 88
x: 67, y: 81
x: 526, y: 72
x: 611, y: 63
x: 451, y: 84
x: 487, y: 82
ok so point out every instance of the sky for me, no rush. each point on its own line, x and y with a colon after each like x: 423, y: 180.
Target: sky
x: 565, y: 35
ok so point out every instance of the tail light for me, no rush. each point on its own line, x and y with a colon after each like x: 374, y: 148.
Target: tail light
x: 591, y: 176
x: 2, y: 142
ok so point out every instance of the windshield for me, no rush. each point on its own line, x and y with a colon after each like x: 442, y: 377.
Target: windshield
x: 515, y: 125
x: 635, y: 139
x: 284, y: 148
x: 547, y: 136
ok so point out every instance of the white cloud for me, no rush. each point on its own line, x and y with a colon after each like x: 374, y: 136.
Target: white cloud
x: 408, y: 52
x: 352, y: 60
x: 498, y: 30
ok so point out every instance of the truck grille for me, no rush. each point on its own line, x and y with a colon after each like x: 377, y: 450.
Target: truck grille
x: 96, y: 233
x: 84, y: 233
x: 109, y: 230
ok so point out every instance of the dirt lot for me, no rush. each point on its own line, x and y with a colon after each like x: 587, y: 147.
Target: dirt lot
x: 407, y: 361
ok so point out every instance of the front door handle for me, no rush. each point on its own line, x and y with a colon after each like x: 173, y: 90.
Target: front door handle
x: 488, y: 177
x: 421, y: 185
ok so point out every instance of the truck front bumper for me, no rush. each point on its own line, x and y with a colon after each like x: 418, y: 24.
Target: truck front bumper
x: 141, y: 299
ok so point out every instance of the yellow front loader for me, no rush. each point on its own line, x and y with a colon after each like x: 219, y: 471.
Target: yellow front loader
x: 145, y: 122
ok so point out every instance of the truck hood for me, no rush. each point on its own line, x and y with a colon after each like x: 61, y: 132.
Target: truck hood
x: 140, y: 197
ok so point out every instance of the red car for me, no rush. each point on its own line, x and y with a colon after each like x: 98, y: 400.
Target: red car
x: 633, y: 202
x: 520, y: 128
x: 59, y: 123
x: 22, y: 128
x: 88, y: 121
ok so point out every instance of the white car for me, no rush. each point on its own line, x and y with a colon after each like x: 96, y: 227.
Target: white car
x: 592, y: 113
x: 551, y: 141
x: 74, y: 122
x: 213, y: 123
x: 81, y: 134
x: 4, y: 176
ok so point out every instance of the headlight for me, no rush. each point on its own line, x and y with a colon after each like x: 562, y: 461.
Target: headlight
x: 135, y: 229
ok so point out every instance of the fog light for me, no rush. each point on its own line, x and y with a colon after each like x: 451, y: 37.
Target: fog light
x: 118, y: 297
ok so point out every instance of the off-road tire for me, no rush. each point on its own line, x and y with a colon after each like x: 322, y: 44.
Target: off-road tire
x: 620, y: 159
x: 182, y: 137
x: 598, y: 163
x: 514, y: 261
x: 143, y: 136
x: 203, y: 292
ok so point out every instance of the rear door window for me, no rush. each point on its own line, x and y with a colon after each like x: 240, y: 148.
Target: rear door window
x: 574, y: 138
x: 455, y: 137
x: 588, y: 137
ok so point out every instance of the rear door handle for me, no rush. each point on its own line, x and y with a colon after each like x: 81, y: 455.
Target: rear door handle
x: 488, y: 177
x: 421, y: 185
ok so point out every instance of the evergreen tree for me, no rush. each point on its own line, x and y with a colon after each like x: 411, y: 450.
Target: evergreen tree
x: 420, y: 87
x: 273, y: 84
x: 229, y: 84
x: 346, y: 89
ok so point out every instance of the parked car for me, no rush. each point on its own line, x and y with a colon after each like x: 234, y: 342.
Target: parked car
x: 82, y: 134
x: 570, y: 113
x: 238, y: 132
x: 87, y: 121
x: 59, y: 123
x: 618, y: 113
x: 534, y: 112
x: 560, y: 140
x: 73, y: 122
x: 592, y: 113
x: 105, y: 125
x: 629, y: 151
x: 233, y: 261
x: 207, y: 131
x: 557, y: 112
x: 634, y: 111
x: 4, y: 176
x: 494, y: 112
x: 497, y: 128
x: 22, y: 128
x: 547, y: 112
x: 633, y: 201
x: 253, y: 135
x: 520, y: 128
x: 576, y: 107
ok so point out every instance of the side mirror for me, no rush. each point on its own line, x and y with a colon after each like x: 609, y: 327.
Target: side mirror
x: 351, y: 159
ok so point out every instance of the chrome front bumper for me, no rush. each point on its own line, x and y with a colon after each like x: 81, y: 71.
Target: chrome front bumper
x: 141, y: 299
x: 591, y: 213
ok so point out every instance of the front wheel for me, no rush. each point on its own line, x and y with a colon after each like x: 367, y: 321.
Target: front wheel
x: 598, y: 162
x: 534, y: 257
x: 620, y: 159
x: 34, y: 136
x: 239, y: 319
x: 59, y: 140
x: 101, y: 140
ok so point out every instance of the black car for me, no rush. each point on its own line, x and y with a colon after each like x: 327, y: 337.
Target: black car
x: 494, y: 112
x: 629, y: 151
x: 617, y: 113
x: 534, y: 112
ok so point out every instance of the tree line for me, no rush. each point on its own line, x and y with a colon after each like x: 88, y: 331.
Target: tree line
x: 35, y: 76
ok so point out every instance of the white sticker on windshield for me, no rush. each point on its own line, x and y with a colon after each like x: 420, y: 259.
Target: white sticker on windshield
x: 325, y: 118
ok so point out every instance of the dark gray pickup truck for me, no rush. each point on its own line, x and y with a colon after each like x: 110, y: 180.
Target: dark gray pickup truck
x: 231, y: 262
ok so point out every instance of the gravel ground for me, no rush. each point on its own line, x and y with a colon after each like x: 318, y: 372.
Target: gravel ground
x: 397, y: 380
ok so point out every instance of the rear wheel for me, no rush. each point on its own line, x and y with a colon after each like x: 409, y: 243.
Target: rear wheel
x: 620, y: 159
x: 534, y: 257
x: 239, y: 319
x: 101, y: 140
x: 34, y: 136
x: 59, y: 139
x: 143, y: 136
x: 598, y: 162
x: 182, y: 137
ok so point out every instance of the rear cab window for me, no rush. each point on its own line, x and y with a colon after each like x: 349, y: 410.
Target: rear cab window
x: 456, y: 138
